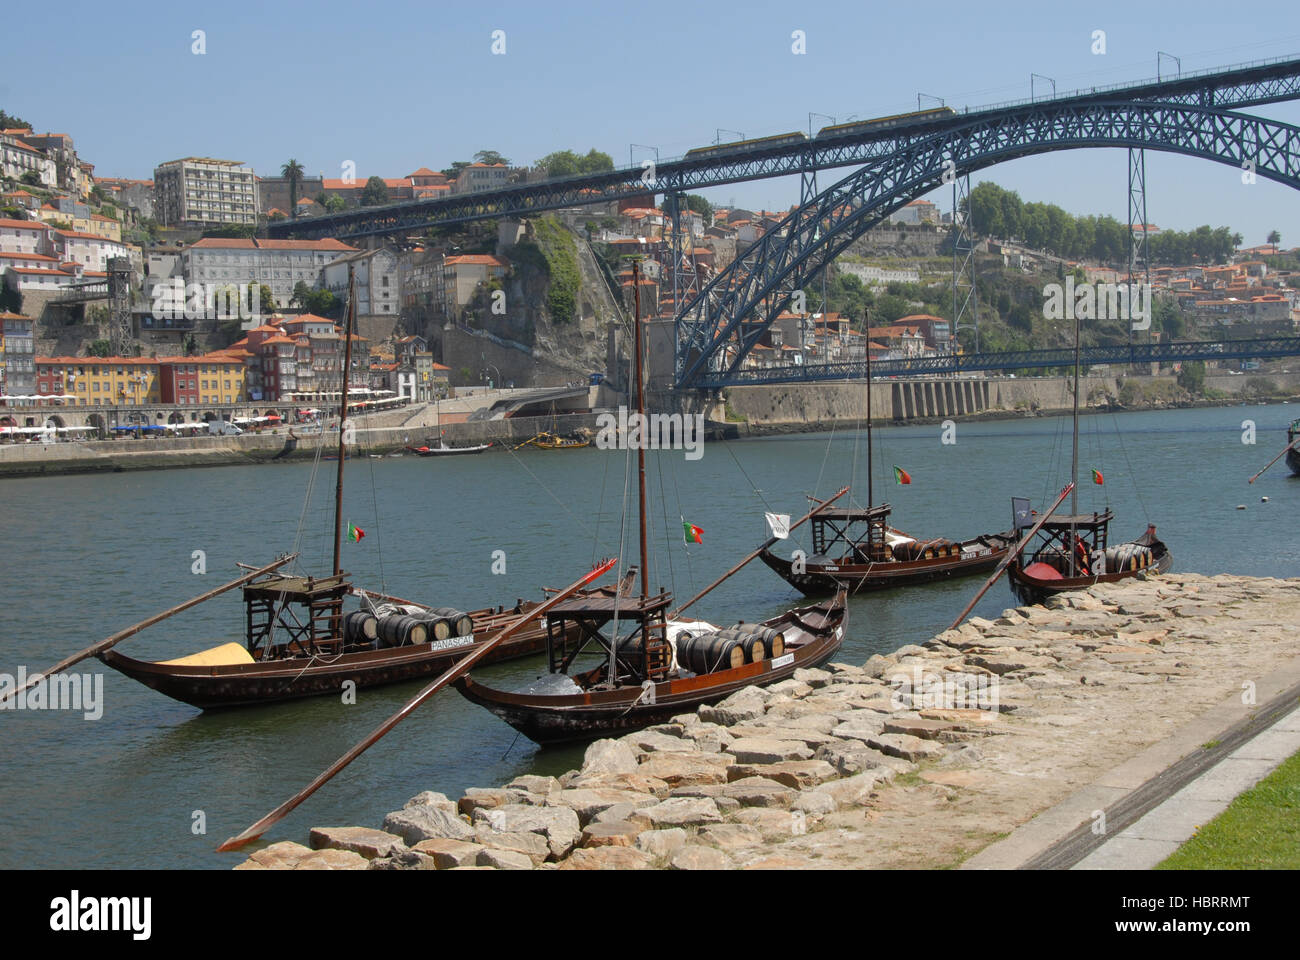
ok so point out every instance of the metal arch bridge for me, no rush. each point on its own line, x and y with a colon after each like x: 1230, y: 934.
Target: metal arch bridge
x: 717, y: 328
x: 1222, y: 89
x: 1174, y: 352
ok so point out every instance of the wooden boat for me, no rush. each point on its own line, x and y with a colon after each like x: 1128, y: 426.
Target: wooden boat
x: 550, y: 441
x: 1073, y: 552
x: 298, y: 642
x: 307, y: 665
x: 1293, y: 447
x: 1058, y: 562
x: 859, y: 548
x: 640, y: 697
x: 664, y: 664
x: 438, y: 448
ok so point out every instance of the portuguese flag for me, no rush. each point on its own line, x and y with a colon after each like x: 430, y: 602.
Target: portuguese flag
x: 355, y: 533
x: 1097, y: 478
x: 901, y: 475
x: 692, y: 533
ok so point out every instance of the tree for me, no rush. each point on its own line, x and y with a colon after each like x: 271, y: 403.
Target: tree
x: 291, y: 170
x: 334, y: 203
x: 301, y: 292
x: 99, y: 348
x: 701, y: 206
x: 454, y: 170
x: 11, y: 300
x: 1274, y: 238
x: 1191, y: 377
x: 31, y: 178
x: 491, y: 158
x: 266, y: 299
x: 374, y: 193
x: 9, y: 122
x: 566, y: 163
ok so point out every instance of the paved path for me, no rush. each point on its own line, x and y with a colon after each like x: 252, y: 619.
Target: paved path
x: 1167, y: 827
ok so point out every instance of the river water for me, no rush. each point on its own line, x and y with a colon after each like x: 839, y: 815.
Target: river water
x: 156, y: 783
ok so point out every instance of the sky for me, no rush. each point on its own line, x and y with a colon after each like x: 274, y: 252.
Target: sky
x: 394, y: 86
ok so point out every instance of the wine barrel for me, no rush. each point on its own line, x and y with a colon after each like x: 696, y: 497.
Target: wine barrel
x: 710, y: 652
x: 751, y: 641
x: 773, y: 639
x: 460, y: 622
x: 399, y: 630
x: 360, y: 626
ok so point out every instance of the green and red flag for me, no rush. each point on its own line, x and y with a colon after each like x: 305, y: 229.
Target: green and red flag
x: 1097, y: 478
x: 901, y: 475
x: 692, y: 533
x: 355, y: 533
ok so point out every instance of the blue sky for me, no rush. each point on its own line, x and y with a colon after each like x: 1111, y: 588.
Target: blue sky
x: 394, y: 86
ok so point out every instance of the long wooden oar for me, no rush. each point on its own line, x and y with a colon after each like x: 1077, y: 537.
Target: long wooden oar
x: 1006, y: 561
x: 822, y: 505
x: 461, y: 666
x: 1284, y: 452
x: 121, y: 635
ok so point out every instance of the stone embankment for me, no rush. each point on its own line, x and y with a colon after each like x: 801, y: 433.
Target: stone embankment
x: 916, y: 759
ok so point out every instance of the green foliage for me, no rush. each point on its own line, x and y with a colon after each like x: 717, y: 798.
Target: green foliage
x: 374, y: 193
x: 11, y: 300
x: 334, y: 203
x: 9, y: 122
x: 559, y: 253
x: 997, y: 212
x: 291, y: 170
x: 566, y: 163
x: 99, y: 348
x: 266, y: 298
x: 491, y: 158
x: 701, y: 206
x: 1261, y: 387
x: 237, y: 231
x: 454, y: 170
x: 1274, y: 238
x: 31, y: 178
x: 1191, y: 377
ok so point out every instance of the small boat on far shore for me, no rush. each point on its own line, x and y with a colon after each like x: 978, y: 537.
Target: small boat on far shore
x: 1293, y: 448
x: 440, y: 449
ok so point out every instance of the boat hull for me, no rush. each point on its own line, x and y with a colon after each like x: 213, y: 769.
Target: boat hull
x: 586, y: 716
x: 819, y: 579
x: 447, y: 451
x: 1030, y: 590
x: 1293, y: 451
x: 272, y: 681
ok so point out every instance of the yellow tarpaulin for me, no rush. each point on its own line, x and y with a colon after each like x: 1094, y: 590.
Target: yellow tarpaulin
x: 227, y: 654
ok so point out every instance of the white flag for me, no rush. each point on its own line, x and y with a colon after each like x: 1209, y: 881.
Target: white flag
x: 779, y: 524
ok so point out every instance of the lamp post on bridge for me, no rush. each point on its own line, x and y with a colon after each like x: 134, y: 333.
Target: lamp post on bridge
x: 1039, y: 76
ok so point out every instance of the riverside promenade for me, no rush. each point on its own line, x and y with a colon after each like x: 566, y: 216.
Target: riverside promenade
x: 1027, y: 741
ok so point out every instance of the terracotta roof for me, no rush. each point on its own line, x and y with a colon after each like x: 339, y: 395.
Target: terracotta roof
x: 482, y: 259
x: 23, y: 225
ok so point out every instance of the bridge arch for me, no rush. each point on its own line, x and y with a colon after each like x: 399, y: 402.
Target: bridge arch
x: 758, y: 286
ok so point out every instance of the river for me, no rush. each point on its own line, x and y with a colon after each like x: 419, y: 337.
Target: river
x: 156, y: 783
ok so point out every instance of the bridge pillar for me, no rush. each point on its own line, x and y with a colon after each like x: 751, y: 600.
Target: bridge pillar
x: 896, y: 402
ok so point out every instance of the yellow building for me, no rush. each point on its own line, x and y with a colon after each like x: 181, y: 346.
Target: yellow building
x: 99, y: 381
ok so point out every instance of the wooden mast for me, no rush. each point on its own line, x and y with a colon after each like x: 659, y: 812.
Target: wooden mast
x: 870, y: 495
x: 641, y: 422
x: 1074, y: 456
x: 343, y: 417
